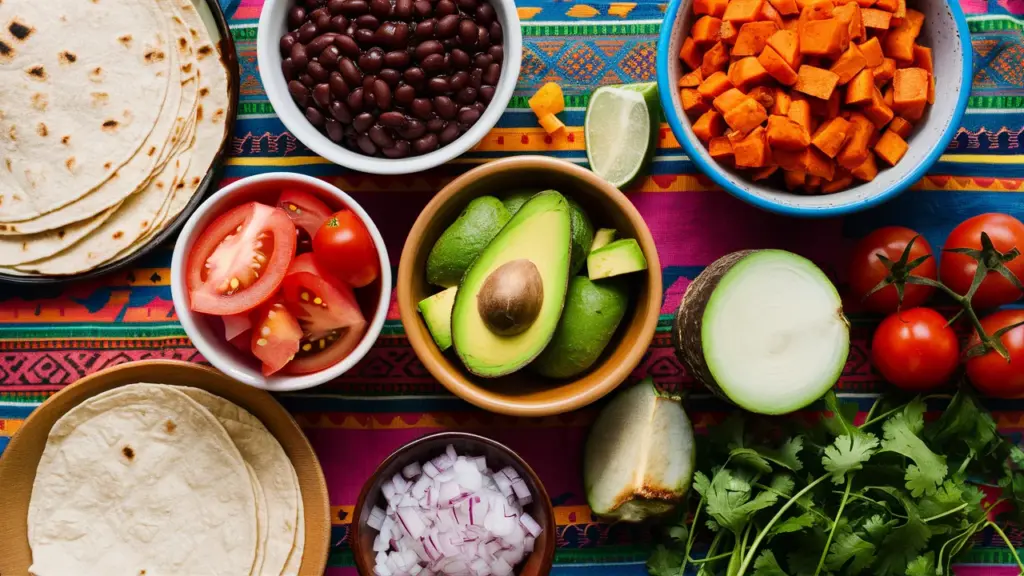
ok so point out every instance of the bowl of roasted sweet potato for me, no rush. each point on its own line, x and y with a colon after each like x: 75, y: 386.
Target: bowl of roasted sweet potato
x: 814, y: 107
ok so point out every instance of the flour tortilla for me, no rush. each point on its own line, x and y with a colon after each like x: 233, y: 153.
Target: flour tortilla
x: 141, y: 478
x: 291, y: 568
x: 20, y: 249
x: 273, y: 470
x: 261, y: 522
x: 82, y: 70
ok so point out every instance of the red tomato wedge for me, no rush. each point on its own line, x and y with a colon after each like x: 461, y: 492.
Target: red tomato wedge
x: 275, y: 337
x: 236, y: 324
x: 327, y: 310
x: 306, y: 210
x: 239, y: 261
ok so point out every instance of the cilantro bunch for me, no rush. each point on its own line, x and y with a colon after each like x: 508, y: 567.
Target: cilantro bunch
x: 890, y: 496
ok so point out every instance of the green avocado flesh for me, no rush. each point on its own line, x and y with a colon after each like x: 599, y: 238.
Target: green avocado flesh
x: 582, y: 237
x: 591, y: 315
x: 619, y: 257
x: 540, y: 232
x: 602, y: 238
x: 464, y: 240
x: 437, y: 313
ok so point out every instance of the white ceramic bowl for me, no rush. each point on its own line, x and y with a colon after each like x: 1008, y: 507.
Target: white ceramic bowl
x: 206, y: 331
x: 273, y: 25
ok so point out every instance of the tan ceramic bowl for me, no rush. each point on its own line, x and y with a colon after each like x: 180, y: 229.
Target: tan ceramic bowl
x: 525, y: 393
x: 537, y: 563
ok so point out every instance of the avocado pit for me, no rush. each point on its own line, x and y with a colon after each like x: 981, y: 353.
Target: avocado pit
x: 510, y: 299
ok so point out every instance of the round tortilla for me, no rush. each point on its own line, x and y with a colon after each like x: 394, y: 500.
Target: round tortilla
x: 141, y: 480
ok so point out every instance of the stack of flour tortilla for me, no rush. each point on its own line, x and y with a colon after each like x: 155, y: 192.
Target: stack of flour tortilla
x: 163, y: 480
x: 110, y: 117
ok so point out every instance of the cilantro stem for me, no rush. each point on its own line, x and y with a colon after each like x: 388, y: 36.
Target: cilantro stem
x: 800, y: 504
x: 881, y: 505
x: 712, y: 549
x: 946, y: 513
x: 832, y: 532
x: 871, y: 411
x: 1009, y: 544
x: 710, y: 558
x: 689, y: 540
x: 764, y: 532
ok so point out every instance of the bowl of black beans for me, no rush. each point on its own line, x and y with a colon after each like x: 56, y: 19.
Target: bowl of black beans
x: 389, y: 86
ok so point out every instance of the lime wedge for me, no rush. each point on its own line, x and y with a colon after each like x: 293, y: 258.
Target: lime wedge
x: 621, y: 131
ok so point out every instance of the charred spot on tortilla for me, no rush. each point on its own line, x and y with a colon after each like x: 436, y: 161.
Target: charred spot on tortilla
x: 42, y: 130
x: 96, y: 75
x: 5, y: 49
x: 170, y: 426
x: 180, y: 185
x: 12, y: 133
x: 205, y: 51
x: 160, y: 184
x: 218, y: 114
x: 24, y: 246
x: 204, y: 91
x: 117, y: 235
x: 193, y: 32
x: 152, y: 150
x: 183, y: 42
x: 128, y: 452
x: 199, y: 113
x: 38, y: 72
x: 70, y: 163
x: 19, y: 30
x: 154, y: 56
x: 196, y: 180
x: 145, y: 224
x: 40, y: 101
x: 68, y: 57
x: 7, y: 162
x: 65, y: 140
x: 60, y: 233
x: 110, y: 125
x: 126, y: 40
x: 99, y: 98
x: 107, y: 166
x: 187, y: 68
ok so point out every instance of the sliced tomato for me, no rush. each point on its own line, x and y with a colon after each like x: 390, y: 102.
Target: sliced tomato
x: 327, y: 310
x: 275, y: 336
x: 306, y: 210
x: 236, y: 324
x: 240, y: 259
x: 344, y: 248
x: 243, y: 341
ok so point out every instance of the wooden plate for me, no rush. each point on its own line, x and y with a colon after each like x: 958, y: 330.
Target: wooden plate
x: 21, y: 458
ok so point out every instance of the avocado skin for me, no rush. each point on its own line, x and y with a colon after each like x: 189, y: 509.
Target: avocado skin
x: 592, y: 313
x: 582, y: 236
x: 465, y: 239
x: 514, y: 201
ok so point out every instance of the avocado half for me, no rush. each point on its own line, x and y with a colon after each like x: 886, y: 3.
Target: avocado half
x: 540, y: 232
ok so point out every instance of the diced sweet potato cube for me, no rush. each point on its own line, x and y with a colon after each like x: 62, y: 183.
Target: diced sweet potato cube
x: 812, y: 184
x: 872, y: 51
x: 752, y: 38
x: 828, y: 38
x: 763, y: 95
x: 714, y: 85
x: 830, y: 136
x: 770, y: 14
x: 785, y: 7
x: 786, y: 44
x: 837, y: 184
x: 890, y: 148
x: 900, y: 41
x: 910, y: 91
x: 747, y: 72
x: 826, y: 109
x: 728, y: 33
x: 693, y: 103
x: 887, y: 5
x: 714, y: 8
x: 901, y: 9
x: 776, y: 66
x: 865, y: 3
x: 859, y: 90
x: 705, y: 30
x: 877, y: 110
x: 855, y: 151
x: 720, y: 149
x: 763, y: 173
x: 746, y: 116
x: 742, y: 10
x: 849, y: 64
x: 800, y: 112
x: 689, y: 54
x: 735, y: 137
x: 752, y: 151
x: 923, y: 59
x: 792, y: 25
x: 794, y: 179
x: 815, y: 9
x: 790, y: 160
x: 820, y: 165
x: 782, y: 102
x: 901, y: 127
x: 729, y: 99
x: 816, y: 82
x: 785, y: 134
x: 867, y: 170
x: 709, y: 125
x: 887, y: 97
x: 885, y: 71
x: 715, y: 59
x: 691, y: 79
x: 850, y: 13
x: 877, y: 19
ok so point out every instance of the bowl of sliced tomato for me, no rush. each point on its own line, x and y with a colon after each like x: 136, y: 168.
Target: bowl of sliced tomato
x: 282, y: 281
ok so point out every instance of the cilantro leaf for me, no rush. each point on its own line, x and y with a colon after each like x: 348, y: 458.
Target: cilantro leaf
x: 903, y: 543
x: 751, y: 458
x: 731, y: 502
x: 964, y: 420
x: 913, y: 412
x: 929, y: 469
x: 877, y: 527
x: 701, y: 484
x: 787, y: 455
x: 679, y: 533
x: 923, y: 565
x: 841, y: 420
x: 847, y: 546
x: 848, y: 453
x: 794, y: 523
x: 949, y: 496
x: 664, y: 562
x: 767, y: 565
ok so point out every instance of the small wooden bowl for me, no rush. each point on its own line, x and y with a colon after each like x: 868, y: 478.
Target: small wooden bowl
x: 525, y: 393
x: 538, y: 562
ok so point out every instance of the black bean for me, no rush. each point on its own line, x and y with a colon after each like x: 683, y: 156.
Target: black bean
x: 318, y: 72
x: 355, y: 100
x: 299, y: 92
x: 479, y: 107
x: 300, y: 58
x: 438, y: 85
x: 414, y: 75
x: 497, y: 34
x: 350, y: 72
x: 362, y: 122
x: 460, y: 59
x: 340, y: 111
x: 435, y: 125
x: 366, y: 145
x: 492, y: 74
x: 426, y: 29
x: 323, y: 22
x: 385, y: 35
x: 392, y: 119
x: 339, y: 23
x: 475, y: 78
x: 307, y: 80
x: 448, y: 26
x: 458, y: 81
x: 322, y: 95
x: 449, y: 134
x: 399, y: 150
x: 482, y: 60
x: 428, y: 47
x: 467, y: 32
x: 347, y: 45
x: 433, y: 63
x: 422, y: 8
x: 445, y: 7
x: 405, y: 94
x: 445, y: 107
x: 496, y: 52
x: 483, y: 41
x: 396, y: 59
x: 364, y: 36
x: 368, y: 21
x: 354, y: 7
x: 391, y: 76
x: 382, y: 93
x: 335, y: 6
x: 421, y: 108
x: 468, y: 116
x: 315, y: 117
x: 317, y: 13
x: 468, y: 6
x: 288, y: 68
x: 372, y: 61
x: 334, y: 130
x: 485, y: 14
x: 467, y: 95
x: 403, y: 9
x: 369, y: 100
x: 329, y: 57
x: 401, y: 38
x: 425, y: 144
x: 380, y: 8
x: 296, y: 17
x: 339, y: 89
x: 287, y: 41
x: 486, y: 93
x: 412, y: 130
x: 381, y: 137
x: 311, y: 4
x: 368, y: 81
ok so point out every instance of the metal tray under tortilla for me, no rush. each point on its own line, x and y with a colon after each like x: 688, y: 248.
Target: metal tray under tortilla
x: 217, y: 24
x: 21, y: 458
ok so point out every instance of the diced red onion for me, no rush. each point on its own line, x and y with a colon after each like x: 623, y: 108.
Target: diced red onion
x: 500, y: 568
x: 412, y: 470
x: 376, y: 519
x: 401, y: 485
x: 430, y: 470
x: 522, y: 492
x: 530, y: 524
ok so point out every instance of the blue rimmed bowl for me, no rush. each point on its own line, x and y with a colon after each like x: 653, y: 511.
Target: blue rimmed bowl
x: 945, y: 31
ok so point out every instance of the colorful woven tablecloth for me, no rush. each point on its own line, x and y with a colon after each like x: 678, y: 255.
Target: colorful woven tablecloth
x: 50, y: 337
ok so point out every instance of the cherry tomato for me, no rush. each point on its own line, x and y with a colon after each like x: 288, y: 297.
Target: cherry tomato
x: 867, y: 271
x: 239, y: 260
x: 915, y: 349
x: 344, y: 249
x: 957, y: 270
x: 306, y: 210
x: 328, y: 313
x: 990, y: 373
x: 275, y: 336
